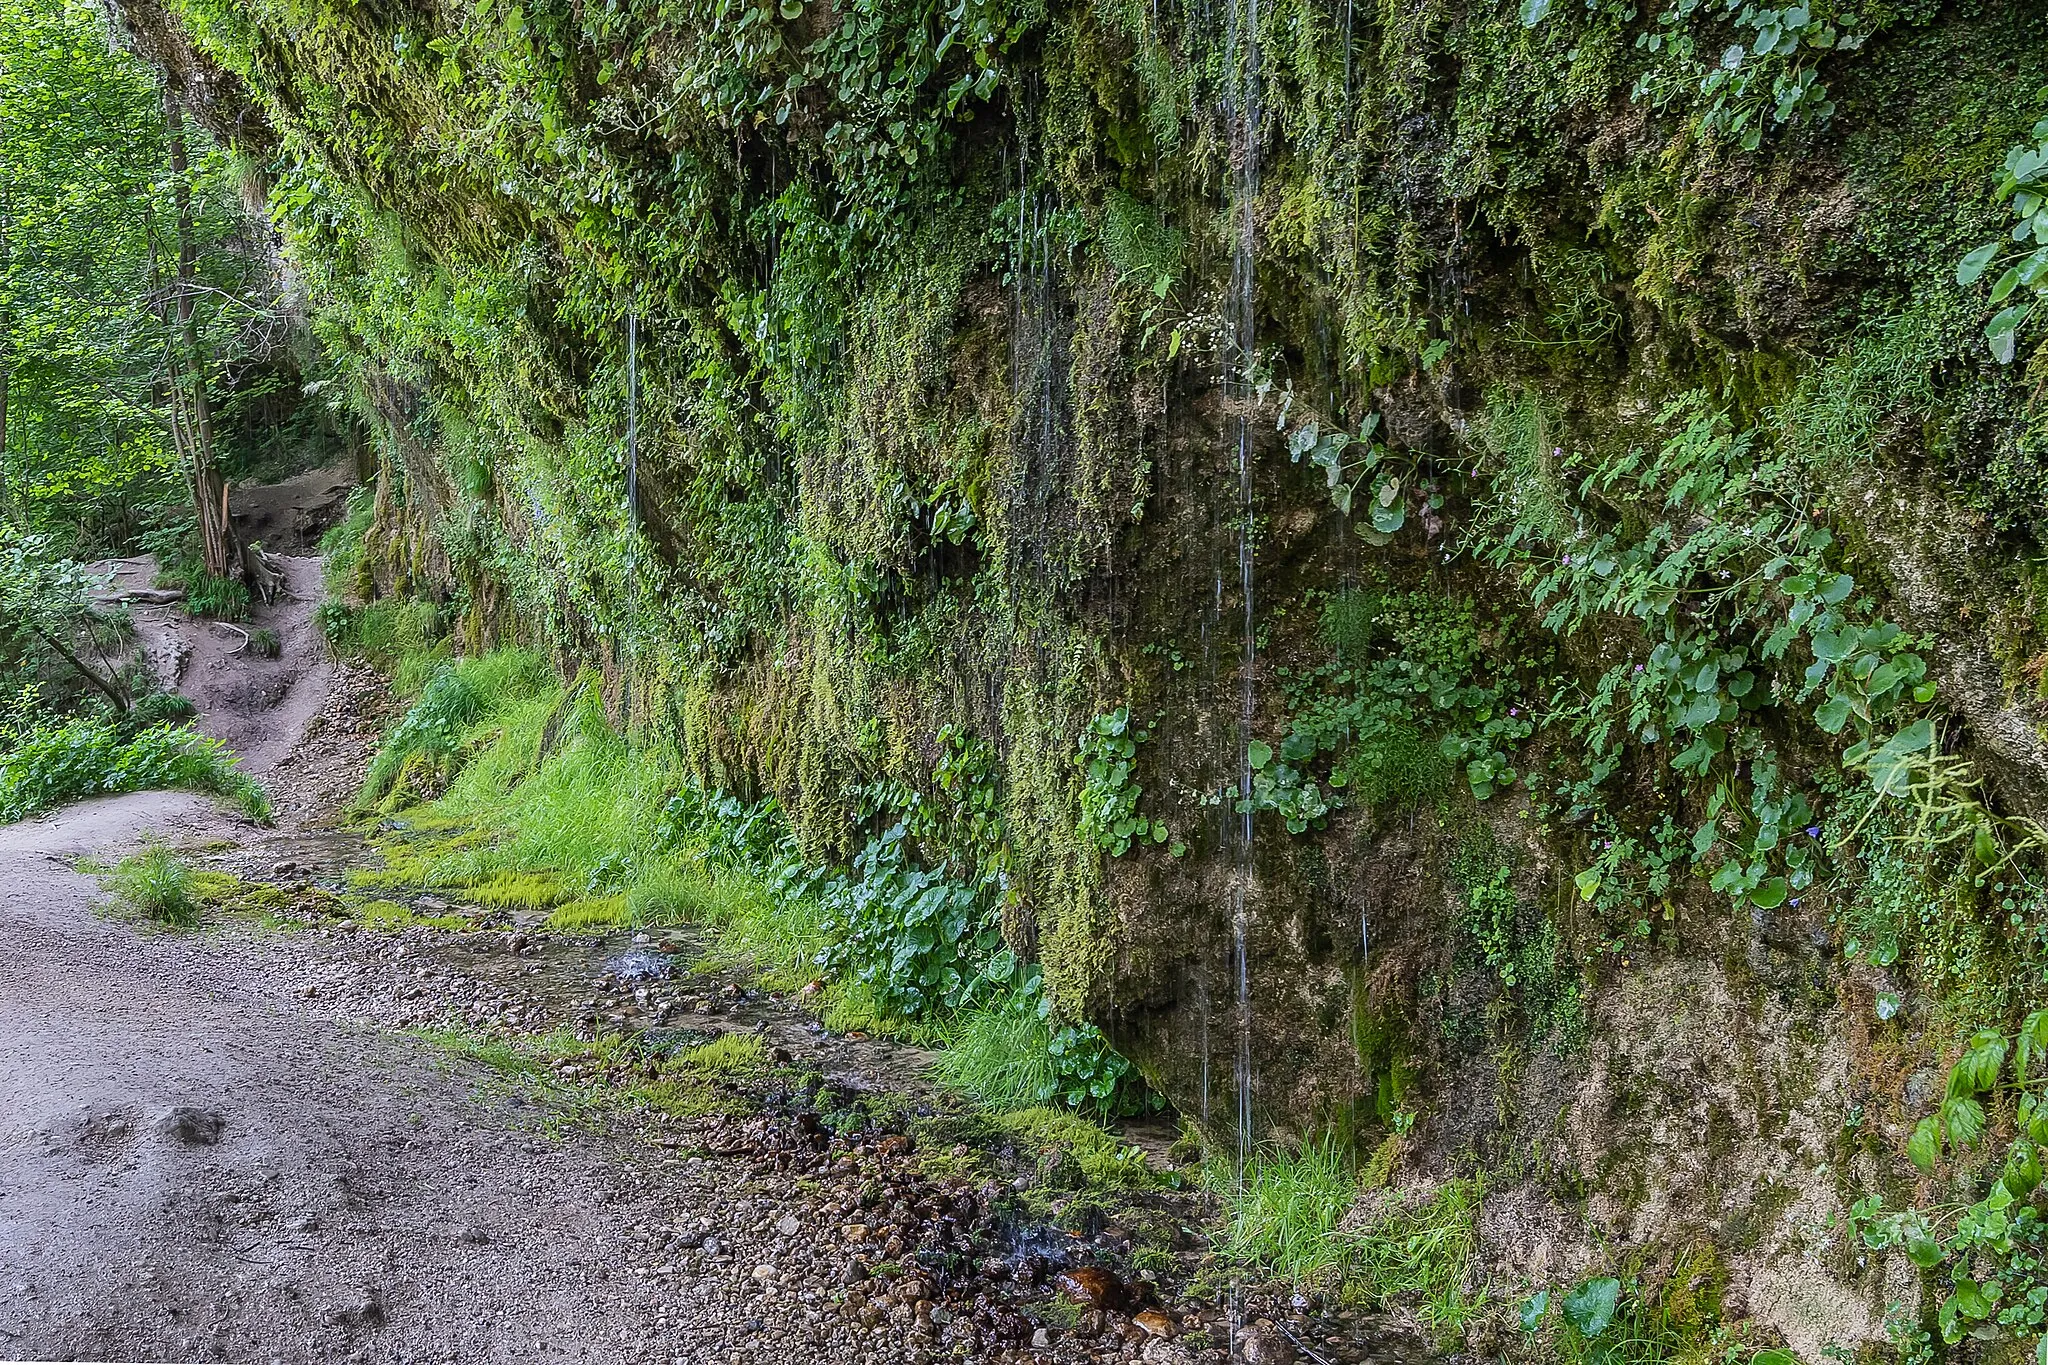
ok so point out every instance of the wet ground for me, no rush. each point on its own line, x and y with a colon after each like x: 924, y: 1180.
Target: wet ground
x: 286, y: 1136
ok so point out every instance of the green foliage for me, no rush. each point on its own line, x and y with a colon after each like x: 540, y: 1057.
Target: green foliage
x: 1624, y: 1320
x: 1407, y: 697
x: 2026, y: 187
x: 342, y: 547
x: 1108, y: 760
x: 1989, y: 1255
x: 1289, y: 1214
x: 89, y: 300
x: 53, y: 640
x: 156, y: 884
x: 923, y: 941
x: 55, y: 763
x: 1014, y: 1054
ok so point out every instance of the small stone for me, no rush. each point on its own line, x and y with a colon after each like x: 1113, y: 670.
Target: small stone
x: 1090, y: 1286
x: 1263, y: 1346
x: 789, y: 1225
x: 193, y: 1127
x: 764, y: 1273
x: 1040, y: 1339
x: 896, y: 1144
x: 1154, y: 1323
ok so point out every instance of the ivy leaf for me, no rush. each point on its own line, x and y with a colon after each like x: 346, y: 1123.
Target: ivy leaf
x: 1923, y: 1149
x: 1964, y: 1120
x: 1924, y: 1251
x: 1533, y: 1308
x: 2002, y: 332
x: 1533, y: 12
x: 1590, y: 1307
x: 1972, y: 267
x: 2007, y: 282
x: 1770, y: 895
x: 1389, y: 514
x: 1832, y: 714
x: 1258, y: 754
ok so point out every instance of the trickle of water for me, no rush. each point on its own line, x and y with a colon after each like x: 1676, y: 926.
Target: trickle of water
x: 640, y: 964
x: 1240, y: 312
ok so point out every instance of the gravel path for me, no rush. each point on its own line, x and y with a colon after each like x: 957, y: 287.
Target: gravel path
x: 217, y: 1145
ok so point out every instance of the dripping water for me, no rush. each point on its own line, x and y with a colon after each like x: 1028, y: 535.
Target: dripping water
x: 1242, y: 112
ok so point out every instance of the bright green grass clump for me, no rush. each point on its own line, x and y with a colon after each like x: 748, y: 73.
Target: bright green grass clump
x: 156, y: 884
x: 390, y: 915
x: 579, y: 1083
x: 1001, y: 1057
x: 608, y: 912
x: 1288, y: 1216
x: 1100, y: 1158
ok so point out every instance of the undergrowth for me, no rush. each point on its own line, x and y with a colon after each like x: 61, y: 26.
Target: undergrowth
x: 155, y: 884
x: 516, y: 791
x: 67, y: 761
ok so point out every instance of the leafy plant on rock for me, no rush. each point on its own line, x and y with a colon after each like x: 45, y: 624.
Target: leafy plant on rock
x: 2025, y: 186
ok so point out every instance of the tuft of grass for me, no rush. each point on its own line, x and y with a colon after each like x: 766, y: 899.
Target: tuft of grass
x: 206, y: 598
x: 729, y: 1054
x: 1283, y: 1215
x: 390, y: 915
x: 1000, y: 1056
x: 1288, y: 1216
x: 670, y: 892
x: 156, y: 884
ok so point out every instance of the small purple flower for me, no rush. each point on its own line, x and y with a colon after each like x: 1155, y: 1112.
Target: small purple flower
x: 1813, y: 831
x: 1639, y: 668
x: 1514, y: 711
x: 1794, y: 901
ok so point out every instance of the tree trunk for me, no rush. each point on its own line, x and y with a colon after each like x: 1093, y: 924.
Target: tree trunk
x: 190, y: 399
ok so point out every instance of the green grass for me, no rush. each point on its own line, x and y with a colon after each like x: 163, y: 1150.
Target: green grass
x: 156, y: 884
x: 342, y: 547
x: 1284, y: 1216
x: 608, y: 912
x: 613, y: 1074
x: 1000, y: 1057
x: 206, y: 597
x: 1288, y: 1218
x: 1096, y: 1157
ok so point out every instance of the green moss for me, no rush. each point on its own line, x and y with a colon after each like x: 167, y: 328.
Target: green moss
x: 610, y: 912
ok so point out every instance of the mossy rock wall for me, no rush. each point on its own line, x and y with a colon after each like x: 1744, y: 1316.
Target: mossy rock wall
x: 961, y: 337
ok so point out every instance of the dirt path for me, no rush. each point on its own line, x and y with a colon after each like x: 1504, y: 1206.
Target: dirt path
x: 217, y: 1145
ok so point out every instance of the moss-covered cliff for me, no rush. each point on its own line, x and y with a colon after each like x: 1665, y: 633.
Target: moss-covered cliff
x: 1532, y: 465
